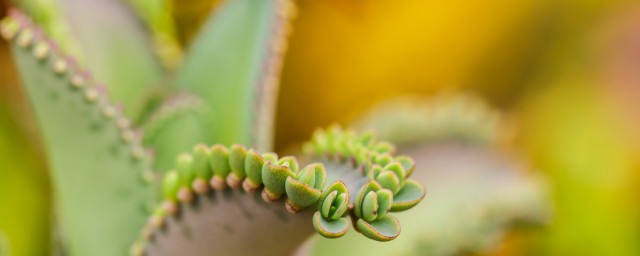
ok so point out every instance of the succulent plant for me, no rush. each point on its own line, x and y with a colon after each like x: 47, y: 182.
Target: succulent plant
x: 442, y: 117
x: 204, y: 177
x: 218, y: 107
x: 478, y: 195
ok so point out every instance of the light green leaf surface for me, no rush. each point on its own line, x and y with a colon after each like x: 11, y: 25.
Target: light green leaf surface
x: 227, y: 66
x: 96, y: 181
x: 116, y: 48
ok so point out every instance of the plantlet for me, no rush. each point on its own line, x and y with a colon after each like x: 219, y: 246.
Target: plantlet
x: 217, y: 197
x: 477, y: 195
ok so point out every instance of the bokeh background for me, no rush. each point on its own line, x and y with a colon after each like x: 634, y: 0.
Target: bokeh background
x: 565, y: 73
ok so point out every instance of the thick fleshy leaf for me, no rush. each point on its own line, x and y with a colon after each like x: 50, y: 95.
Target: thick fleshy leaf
x: 389, y: 180
x: 385, y: 147
x: 170, y: 185
x: 184, y: 164
x: 374, y: 172
x: 289, y: 161
x: 330, y: 229
x: 230, y: 65
x: 340, y: 206
x: 364, y: 190
x: 411, y: 194
x: 367, y: 139
x: 230, y: 223
x: 89, y: 156
x: 327, y: 203
x: 201, y: 165
x: 397, y: 168
x: 338, y: 187
x: 383, y: 159
x: 174, y: 126
x: 237, y: 156
x: 117, y: 49
x: 320, y: 142
x: 383, y: 229
x: 385, y: 200
x: 220, y: 161
x: 370, y: 206
x: 271, y: 157
x: 408, y: 164
x: 274, y: 178
x: 314, y: 175
x: 253, y: 166
x: 301, y: 194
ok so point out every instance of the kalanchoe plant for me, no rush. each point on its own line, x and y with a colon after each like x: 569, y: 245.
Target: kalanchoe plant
x: 353, y: 196
x: 109, y: 195
x: 441, y: 118
x: 464, y: 161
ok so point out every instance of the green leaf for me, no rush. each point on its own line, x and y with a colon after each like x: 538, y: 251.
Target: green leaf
x: 389, y: 180
x: 234, y: 65
x: 184, y: 166
x: 116, y: 48
x: 382, y: 229
x: 289, y: 161
x: 370, y: 206
x: 174, y: 127
x: 237, y: 156
x: 274, y: 178
x: 364, y: 190
x: 330, y: 229
x: 411, y: 194
x: 301, y: 194
x: 201, y: 165
x: 385, y: 200
x: 96, y: 166
x: 170, y: 185
x: 408, y: 164
x: 253, y: 166
x: 220, y: 161
x: 326, y: 203
x: 338, y: 186
x: 340, y: 206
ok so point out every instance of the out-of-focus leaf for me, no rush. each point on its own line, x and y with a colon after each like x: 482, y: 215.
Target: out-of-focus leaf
x: 190, y: 16
x: 97, y: 181
x: 472, y: 196
x: 24, y: 208
x: 157, y: 16
x: 234, y: 66
x: 116, y: 48
x: 50, y: 17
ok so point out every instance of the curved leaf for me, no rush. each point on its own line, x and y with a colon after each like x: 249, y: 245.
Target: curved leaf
x: 116, y: 48
x: 411, y: 194
x: 383, y: 229
x: 96, y: 161
x: 234, y: 66
x: 330, y: 229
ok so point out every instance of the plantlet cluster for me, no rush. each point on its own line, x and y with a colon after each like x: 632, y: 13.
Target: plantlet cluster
x: 372, y: 184
x: 110, y: 196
